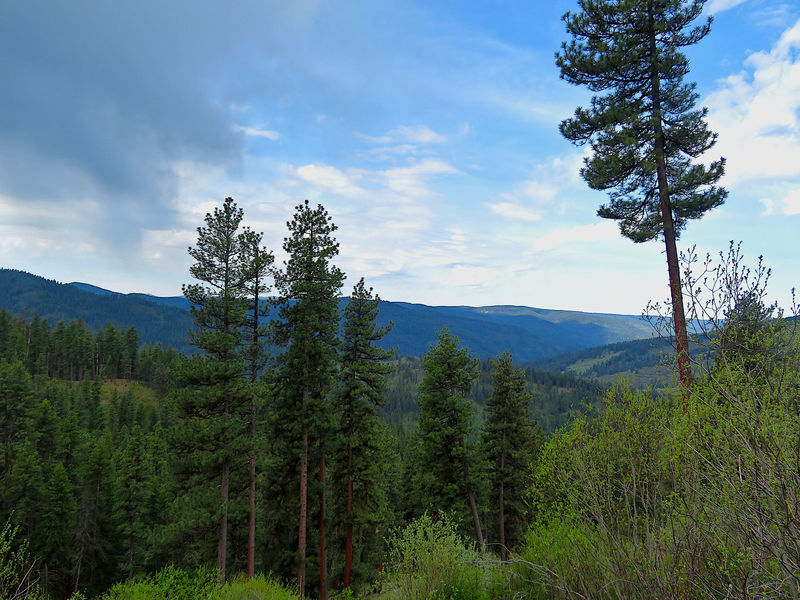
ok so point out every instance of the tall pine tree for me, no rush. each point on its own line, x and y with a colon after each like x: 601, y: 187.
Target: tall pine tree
x: 309, y: 286
x: 645, y: 132
x: 360, y: 394
x: 211, y: 435
x: 258, y: 262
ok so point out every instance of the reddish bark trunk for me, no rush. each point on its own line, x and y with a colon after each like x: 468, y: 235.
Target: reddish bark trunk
x: 678, y: 315
x: 348, y: 553
x: 251, y: 524
x: 503, y: 549
x: 222, y: 546
x: 301, y: 542
x: 323, y: 563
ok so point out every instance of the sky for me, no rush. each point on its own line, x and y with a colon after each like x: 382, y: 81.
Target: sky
x: 428, y: 130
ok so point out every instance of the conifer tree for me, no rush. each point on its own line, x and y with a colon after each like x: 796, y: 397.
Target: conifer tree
x: 445, y: 421
x: 16, y: 396
x: 211, y: 435
x: 96, y: 538
x: 258, y: 262
x: 509, y: 440
x: 309, y: 286
x: 645, y: 132
x: 360, y: 394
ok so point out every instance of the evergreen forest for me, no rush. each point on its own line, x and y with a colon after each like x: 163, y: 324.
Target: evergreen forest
x: 284, y: 450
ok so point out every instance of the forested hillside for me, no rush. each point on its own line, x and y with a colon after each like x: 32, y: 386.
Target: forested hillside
x: 528, y: 333
x: 87, y: 413
x: 27, y: 295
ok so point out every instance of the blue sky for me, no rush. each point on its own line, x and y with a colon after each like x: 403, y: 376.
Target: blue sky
x: 427, y: 129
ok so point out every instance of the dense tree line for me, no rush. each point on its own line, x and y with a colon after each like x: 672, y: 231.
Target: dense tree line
x: 120, y: 458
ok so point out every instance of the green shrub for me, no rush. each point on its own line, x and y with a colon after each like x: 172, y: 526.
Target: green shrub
x: 14, y: 567
x: 259, y: 588
x: 429, y: 560
x: 168, y: 584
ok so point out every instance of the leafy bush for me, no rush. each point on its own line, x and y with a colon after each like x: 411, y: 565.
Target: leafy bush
x: 259, y: 588
x: 176, y: 584
x: 15, y: 567
x: 429, y: 560
x: 168, y: 584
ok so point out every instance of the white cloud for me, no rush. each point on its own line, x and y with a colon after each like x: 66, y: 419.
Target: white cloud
x: 791, y: 203
x: 596, y: 232
x: 155, y: 241
x: 414, y: 134
x: 412, y: 180
x: 757, y: 114
x: 256, y: 132
x: 515, y: 211
x: 716, y: 6
x: 538, y: 190
x: 330, y: 179
x: 468, y: 275
x: 379, y: 139
x: 419, y: 134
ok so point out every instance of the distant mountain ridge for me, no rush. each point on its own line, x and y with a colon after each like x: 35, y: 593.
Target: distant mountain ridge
x: 528, y: 333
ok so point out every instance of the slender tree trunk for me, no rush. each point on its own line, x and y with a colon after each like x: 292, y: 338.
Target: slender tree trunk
x: 222, y: 547
x: 348, y: 553
x: 323, y: 563
x: 471, y: 497
x: 251, y: 524
x: 503, y: 549
x: 301, y: 542
x: 678, y: 315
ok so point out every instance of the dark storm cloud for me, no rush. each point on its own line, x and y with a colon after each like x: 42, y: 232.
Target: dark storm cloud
x: 111, y: 90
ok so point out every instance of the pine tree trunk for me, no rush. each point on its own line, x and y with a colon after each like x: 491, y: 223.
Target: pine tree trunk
x: 503, y: 549
x: 348, y: 555
x: 301, y: 542
x: 678, y: 316
x: 323, y: 563
x: 472, y: 504
x: 251, y: 524
x: 222, y: 547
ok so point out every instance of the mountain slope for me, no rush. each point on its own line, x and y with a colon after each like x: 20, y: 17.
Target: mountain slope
x: 25, y: 294
x: 529, y: 333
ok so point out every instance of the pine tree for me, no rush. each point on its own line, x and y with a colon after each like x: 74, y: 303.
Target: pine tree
x: 509, y: 440
x: 211, y: 436
x: 258, y: 261
x: 96, y: 540
x: 309, y: 285
x: 445, y: 421
x: 360, y: 394
x: 16, y: 404
x: 645, y: 132
x: 54, y: 530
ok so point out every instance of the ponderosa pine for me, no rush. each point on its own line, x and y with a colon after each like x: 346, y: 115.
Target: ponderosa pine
x: 309, y: 286
x: 211, y: 433
x: 361, y: 393
x: 258, y: 262
x: 645, y: 132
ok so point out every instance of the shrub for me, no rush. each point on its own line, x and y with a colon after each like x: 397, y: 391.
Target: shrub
x: 429, y: 560
x: 259, y: 588
x: 168, y: 584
